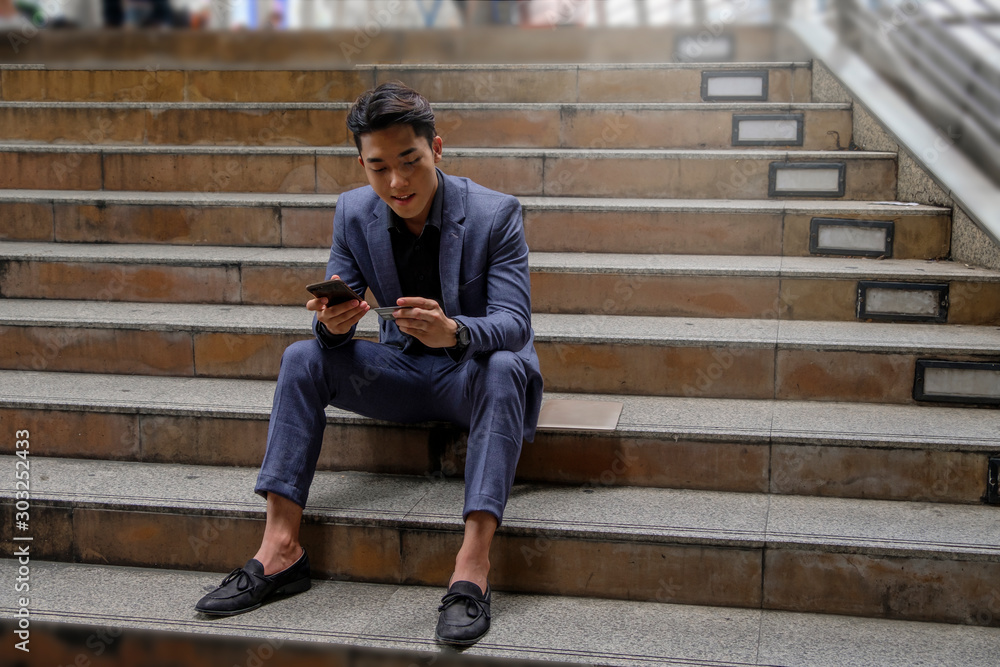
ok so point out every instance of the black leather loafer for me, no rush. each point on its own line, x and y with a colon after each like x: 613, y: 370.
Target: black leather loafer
x: 465, y: 614
x: 247, y: 587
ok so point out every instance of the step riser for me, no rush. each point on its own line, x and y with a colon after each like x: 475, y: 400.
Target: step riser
x: 737, y: 296
x: 65, y: 642
x: 485, y: 85
x: 659, y: 177
x: 639, y: 232
x: 799, y: 579
x: 56, y: 85
x: 709, y: 371
x: 309, y: 127
x: 541, y: 128
x: 724, y: 576
x: 565, y: 292
x: 919, y: 589
x: 197, y: 225
x: 592, y: 461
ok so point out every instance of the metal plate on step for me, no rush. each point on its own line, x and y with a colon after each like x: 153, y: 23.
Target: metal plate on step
x: 743, y: 86
x: 768, y: 129
x: 902, y: 302
x: 807, y: 179
x: 970, y: 382
x: 853, y: 238
x: 558, y: 413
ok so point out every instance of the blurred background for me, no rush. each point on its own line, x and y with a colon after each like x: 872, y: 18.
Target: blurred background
x: 324, y: 14
x: 944, y: 55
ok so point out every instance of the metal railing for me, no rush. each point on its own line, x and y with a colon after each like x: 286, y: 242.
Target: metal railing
x: 943, y: 54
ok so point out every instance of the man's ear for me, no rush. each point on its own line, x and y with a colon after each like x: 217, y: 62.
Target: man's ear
x: 361, y: 161
x: 438, y: 147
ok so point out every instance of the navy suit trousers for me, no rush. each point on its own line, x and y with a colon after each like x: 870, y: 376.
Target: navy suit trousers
x: 484, y: 395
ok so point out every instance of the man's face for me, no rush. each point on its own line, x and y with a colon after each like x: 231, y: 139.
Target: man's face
x: 400, y: 168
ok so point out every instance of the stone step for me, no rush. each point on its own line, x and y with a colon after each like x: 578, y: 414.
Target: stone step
x: 806, y: 288
x: 910, y: 561
x: 712, y: 358
x: 111, y: 608
x: 568, y: 125
x: 911, y: 453
x: 669, y: 226
x: 390, y: 38
x: 726, y: 174
x: 487, y: 83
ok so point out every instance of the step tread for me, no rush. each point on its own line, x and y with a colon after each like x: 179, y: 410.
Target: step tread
x: 644, y: 514
x: 443, y: 106
x: 351, y: 151
x: 571, y: 329
x: 525, y: 627
x: 781, y: 64
x: 551, y: 262
x: 702, y: 419
x: 803, y: 206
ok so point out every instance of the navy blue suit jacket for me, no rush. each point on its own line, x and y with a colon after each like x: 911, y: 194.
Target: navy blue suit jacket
x: 485, y: 282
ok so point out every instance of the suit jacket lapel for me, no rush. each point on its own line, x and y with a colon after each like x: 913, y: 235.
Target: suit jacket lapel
x: 380, y: 248
x: 452, y: 237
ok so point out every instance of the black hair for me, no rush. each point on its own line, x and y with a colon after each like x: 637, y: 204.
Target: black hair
x: 387, y: 105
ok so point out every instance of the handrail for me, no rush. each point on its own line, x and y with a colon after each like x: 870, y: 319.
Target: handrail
x: 943, y: 75
x: 960, y: 176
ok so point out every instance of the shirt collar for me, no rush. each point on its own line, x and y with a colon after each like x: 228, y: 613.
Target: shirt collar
x: 433, y: 218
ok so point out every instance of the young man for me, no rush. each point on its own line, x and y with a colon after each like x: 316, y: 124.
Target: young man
x: 451, y: 255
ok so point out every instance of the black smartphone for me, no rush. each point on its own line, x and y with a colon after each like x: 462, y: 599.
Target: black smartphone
x: 335, y: 291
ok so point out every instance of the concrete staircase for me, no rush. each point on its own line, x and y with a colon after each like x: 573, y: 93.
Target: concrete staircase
x: 800, y: 470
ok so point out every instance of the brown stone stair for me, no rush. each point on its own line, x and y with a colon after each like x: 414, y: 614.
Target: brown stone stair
x: 662, y: 356
x: 769, y: 457
x: 851, y: 450
x: 553, y: 83
x: 733, y: 173
x: 598, y: 284
x: 822, y: 555
x: 637, y: 226
x: 569, y: 125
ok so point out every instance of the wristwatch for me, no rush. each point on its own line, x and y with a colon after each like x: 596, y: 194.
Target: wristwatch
x: 462, y: 336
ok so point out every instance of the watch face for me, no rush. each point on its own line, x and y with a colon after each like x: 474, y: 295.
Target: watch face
x: 463, y: 335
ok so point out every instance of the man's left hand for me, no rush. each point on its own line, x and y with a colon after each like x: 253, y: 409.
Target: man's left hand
x: 424, y: 320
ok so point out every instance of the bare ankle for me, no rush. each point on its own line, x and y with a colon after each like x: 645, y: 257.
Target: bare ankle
x: 276, y: 556
x: 476, y: 570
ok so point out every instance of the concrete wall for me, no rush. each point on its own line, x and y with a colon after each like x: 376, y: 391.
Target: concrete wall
x: 969, y: 244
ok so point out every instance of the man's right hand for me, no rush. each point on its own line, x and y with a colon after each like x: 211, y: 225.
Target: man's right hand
x: 339, y: 318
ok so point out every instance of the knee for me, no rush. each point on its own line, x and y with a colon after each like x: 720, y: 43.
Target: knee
x: 503, y: 369
x: 301, y: 359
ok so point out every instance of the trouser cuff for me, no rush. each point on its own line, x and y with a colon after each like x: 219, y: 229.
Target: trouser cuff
x: 483, y: 504
x: 267, y: 484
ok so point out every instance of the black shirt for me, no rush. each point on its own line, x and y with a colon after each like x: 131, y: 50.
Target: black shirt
x: 417, y: 258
